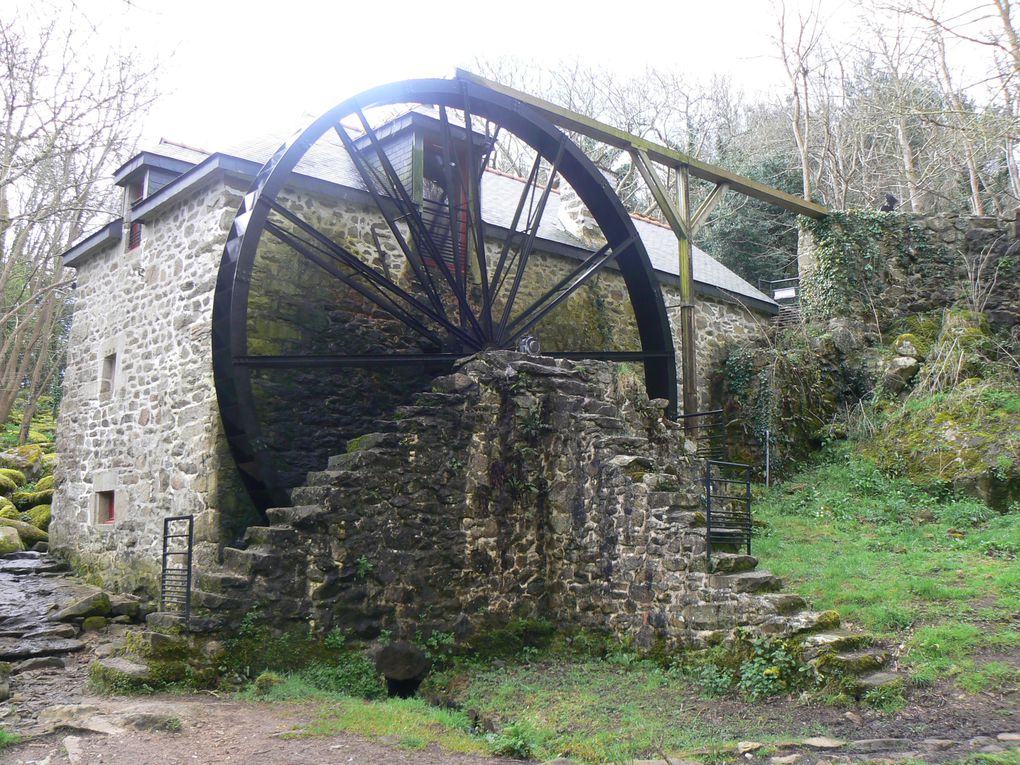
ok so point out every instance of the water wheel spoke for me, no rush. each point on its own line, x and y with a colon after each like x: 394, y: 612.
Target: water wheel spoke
x: 563, y: 289
x: 313, y: 254
x: 535, y: 220
x: 374, y: 182
x: 420, y: 232
x: 499, y: 274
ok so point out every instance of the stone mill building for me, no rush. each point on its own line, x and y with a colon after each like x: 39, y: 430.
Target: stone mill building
x: 554, y: 474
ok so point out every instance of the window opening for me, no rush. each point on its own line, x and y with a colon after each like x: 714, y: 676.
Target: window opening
x: 106, y: 508
x: 108, y: 378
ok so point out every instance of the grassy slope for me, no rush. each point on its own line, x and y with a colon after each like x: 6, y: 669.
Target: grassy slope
x: 938, y: 575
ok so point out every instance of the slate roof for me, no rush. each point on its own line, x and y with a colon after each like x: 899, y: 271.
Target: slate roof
x: 327, y: 160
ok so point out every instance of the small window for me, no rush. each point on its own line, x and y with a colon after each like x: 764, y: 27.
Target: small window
x: 108, y: 378
x: 106, y: 508
x: 134, y: 235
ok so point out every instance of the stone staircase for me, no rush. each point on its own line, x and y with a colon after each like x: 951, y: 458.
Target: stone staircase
x: 630, y: 557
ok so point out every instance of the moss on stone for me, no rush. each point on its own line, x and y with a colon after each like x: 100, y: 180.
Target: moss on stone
x: 7, y: 509
x: 7, y: 486
x: 24, y: 500
x: 45, y: 483
x: 40, y: 516
x: 15, y: 475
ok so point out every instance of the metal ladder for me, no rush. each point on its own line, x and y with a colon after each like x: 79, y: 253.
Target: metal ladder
x: 727, y: 505
x: 175, y: 582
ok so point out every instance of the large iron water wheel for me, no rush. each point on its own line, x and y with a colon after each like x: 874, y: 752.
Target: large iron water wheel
x: 391, y: 299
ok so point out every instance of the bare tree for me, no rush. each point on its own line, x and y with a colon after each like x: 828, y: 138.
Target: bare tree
x: 65, y: 126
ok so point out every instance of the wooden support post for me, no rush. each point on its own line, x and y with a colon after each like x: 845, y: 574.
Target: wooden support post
x: 678, y: 215
x: 688, y: 339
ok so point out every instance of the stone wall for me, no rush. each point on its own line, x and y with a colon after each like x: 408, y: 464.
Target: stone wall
x: 152, y: 439
x: 519, y: 487
x: 876, y: 267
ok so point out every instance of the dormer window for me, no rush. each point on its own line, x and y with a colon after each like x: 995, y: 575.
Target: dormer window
x: 134, y: 192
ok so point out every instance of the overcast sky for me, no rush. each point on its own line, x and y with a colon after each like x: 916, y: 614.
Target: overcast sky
x: 232, y: 69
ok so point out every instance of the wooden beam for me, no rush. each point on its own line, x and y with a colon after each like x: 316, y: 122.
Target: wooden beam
x: 706, y: 207
x: 661, y: 154
x: 659, y: 193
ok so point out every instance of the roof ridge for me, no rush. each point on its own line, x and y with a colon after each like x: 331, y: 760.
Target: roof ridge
x: 180, y: 145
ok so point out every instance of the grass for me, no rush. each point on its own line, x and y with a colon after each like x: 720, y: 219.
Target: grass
x: 7, y: 739
x: 938, y: 574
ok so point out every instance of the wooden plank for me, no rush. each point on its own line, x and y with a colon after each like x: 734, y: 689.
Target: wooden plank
x: 661, y: 154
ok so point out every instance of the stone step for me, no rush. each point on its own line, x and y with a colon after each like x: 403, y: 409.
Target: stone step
x: 220, y: 583
x: 310, y: 495
x: 732, y: 563
x: 214, y: 601
x: 860, y: 661
x: 299, y: 516
x: 747, y: 581
x: 325, y: 477
x: 373, y: 442
x: 833, y: 642
x: 619, y: 442
x: 248, y: 562
x: 270, y: 536
x: 785, y: 603
x: 800, y: 623
x: 664, y: 499
x: 876, y: 680
x: 679, y: 517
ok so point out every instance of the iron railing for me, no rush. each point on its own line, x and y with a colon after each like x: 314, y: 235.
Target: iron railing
x: 175, y: 586
x: 781, y: 290
x: 708, y: 431
x: 727, y: 505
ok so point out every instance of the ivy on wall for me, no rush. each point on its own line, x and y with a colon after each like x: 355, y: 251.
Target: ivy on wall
x: 860, y: 255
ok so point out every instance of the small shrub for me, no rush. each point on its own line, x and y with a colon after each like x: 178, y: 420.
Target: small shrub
x: 353, y: 674
x: 518, y: 740
x: 713, y: 681
x: 770, y: 669
x: 7, y: 739
x: 265, y: 683
x: 889, y: 700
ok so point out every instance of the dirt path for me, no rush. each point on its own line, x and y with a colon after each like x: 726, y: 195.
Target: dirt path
x: 65, y: 725
x: 213, y: 732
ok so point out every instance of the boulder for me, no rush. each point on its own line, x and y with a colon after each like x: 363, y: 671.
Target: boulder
x: 119, y: 667
x: 15, y: 475
x: 38, y: 662
x: 24, y: 500
x: 44, y: 484
x: 27, y: 459
x: 7, y: 509
x: 96, y: 604
x: 899, y: 372
x: 29, y: 534
x: 11, y: 650
x: 7, y: 486
x: 94, y: 623
x: 40, y: 515
x: 404, y: 666
x: 10, y: 541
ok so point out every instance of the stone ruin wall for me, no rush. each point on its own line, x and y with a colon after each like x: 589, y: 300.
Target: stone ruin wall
x: 519, y: 487
x: 157, y: 441
x: 928, y: 272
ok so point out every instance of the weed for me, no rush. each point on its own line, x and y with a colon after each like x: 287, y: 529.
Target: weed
x: 770, y: 669
x: 7, y: 739
x: 363, y: 567
x: 713, y: 681
x: 889, y: 699
x: 517, y: 740
x: 335, y: 639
